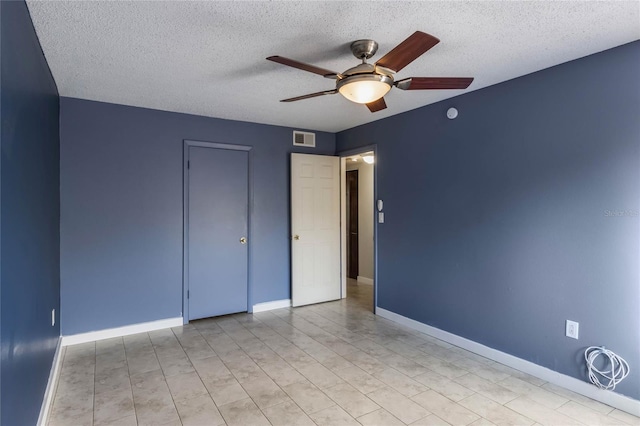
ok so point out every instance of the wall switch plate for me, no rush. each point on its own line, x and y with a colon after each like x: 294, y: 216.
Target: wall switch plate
x: 53, y: 317
x: 380, y: 217
x: 572, y: 329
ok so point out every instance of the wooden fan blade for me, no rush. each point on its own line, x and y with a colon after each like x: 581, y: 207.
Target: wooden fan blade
x: 302, y: 66
x: 407, y: 51
x: 376, y: 106
x: 310, y: 95
x: 433, y: 83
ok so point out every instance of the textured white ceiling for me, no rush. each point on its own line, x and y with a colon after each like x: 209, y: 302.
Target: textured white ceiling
x: 208, y: 58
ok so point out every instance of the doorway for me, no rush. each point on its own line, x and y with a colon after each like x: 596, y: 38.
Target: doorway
x: 216, y: 216
x: 359, y: 213
x: 352, y: 224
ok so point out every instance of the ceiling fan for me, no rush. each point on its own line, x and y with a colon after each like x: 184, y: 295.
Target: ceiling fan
x: 368, y: 83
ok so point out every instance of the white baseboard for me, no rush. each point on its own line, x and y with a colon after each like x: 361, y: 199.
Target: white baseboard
x: 612, y: 399
x: 365, y: 280
x: 126, y: 330
x: 47, y: 401
x: 269, y: 306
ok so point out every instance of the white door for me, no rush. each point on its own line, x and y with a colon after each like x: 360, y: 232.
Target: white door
x: 315, y: 228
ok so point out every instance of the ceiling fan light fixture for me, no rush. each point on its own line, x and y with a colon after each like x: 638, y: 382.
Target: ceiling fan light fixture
x: 363, y: 89
x: 368, y: 159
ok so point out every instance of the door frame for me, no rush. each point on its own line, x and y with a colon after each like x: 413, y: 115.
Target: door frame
x: 343, y: 216
x: 187, y: 143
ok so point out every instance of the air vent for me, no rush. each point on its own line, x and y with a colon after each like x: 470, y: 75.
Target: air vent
x: 304, y: 139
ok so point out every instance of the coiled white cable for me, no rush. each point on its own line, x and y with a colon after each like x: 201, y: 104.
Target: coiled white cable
x: 618, y: 371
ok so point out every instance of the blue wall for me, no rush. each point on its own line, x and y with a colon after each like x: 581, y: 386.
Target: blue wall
x: 121, y: 210
x: 30, y: 213
x: 495, y: 223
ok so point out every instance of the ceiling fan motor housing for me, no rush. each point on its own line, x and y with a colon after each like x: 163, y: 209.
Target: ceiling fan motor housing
x: 364, y: 49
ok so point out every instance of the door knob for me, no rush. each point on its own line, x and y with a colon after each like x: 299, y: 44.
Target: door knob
x: 296, y: 237
x: 243, y: 240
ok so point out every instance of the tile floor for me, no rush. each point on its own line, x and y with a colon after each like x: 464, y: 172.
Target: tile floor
x: 328, y: 364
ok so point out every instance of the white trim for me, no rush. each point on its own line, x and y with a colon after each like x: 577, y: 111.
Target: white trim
x: 606, y: 397
x: 343, y: 227
x: 365, y: 280
x: 47, y: 401
x: 126, y: 330
x: 269, y: 306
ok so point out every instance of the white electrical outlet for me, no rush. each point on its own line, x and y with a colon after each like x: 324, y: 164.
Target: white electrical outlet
x: 572, y: 329
x: 53, y: 317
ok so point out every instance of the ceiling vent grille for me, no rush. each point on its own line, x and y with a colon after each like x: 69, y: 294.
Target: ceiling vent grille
x: 304, y: 139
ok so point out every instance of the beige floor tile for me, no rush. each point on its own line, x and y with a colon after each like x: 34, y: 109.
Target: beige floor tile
x: 143, y: 363
x: 198, y: 349
x: 308, y: 397
x: 110, y: 361
x: 125, y: 421
x: 518, y: 374
x: 380, y: 417
x: 496, y: 413
x: 582, y: 400
x: 157, y: 410
x: 336, y: 363
x: 245, y: 370
x: 265, y: 392
x: 444, y: 386
x: 72, y: 409
x: 282, y: 373
x: 320, y: 375
x: 443, y: 368
x: 404, y: 365
x: 432, y: 420
x: 333, y: 416
x: 398, y: 381
x: 446, y: 409
x: 117, y: 379
x: 199, y: 411
x: 491, y: 390
x: 261, y: 354
x: 225, y: 389
x: 534, y: 393
x: 210, y: 367
x: 482, y: 422
x: 152, y: 399
x: 539, y: 412
x: 112, y: 405
x: 337, y: 346
x: 296, y: 357
x: 287, y: 414
x: 360, y: 380
x: 186, y: 386
x: 243, y: 413
x: 149, y: 382
x: 372, y: 348
x: 491, y: 374
x: 399, y: 405
x: 586, y: 415
x: 365, y: 361
x: 81, y: 350
x: 625, y: 417
x: 351, y: 400
x: 176, y: 365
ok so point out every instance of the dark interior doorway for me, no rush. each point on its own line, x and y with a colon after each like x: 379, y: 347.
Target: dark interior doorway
x: 352, y: 224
